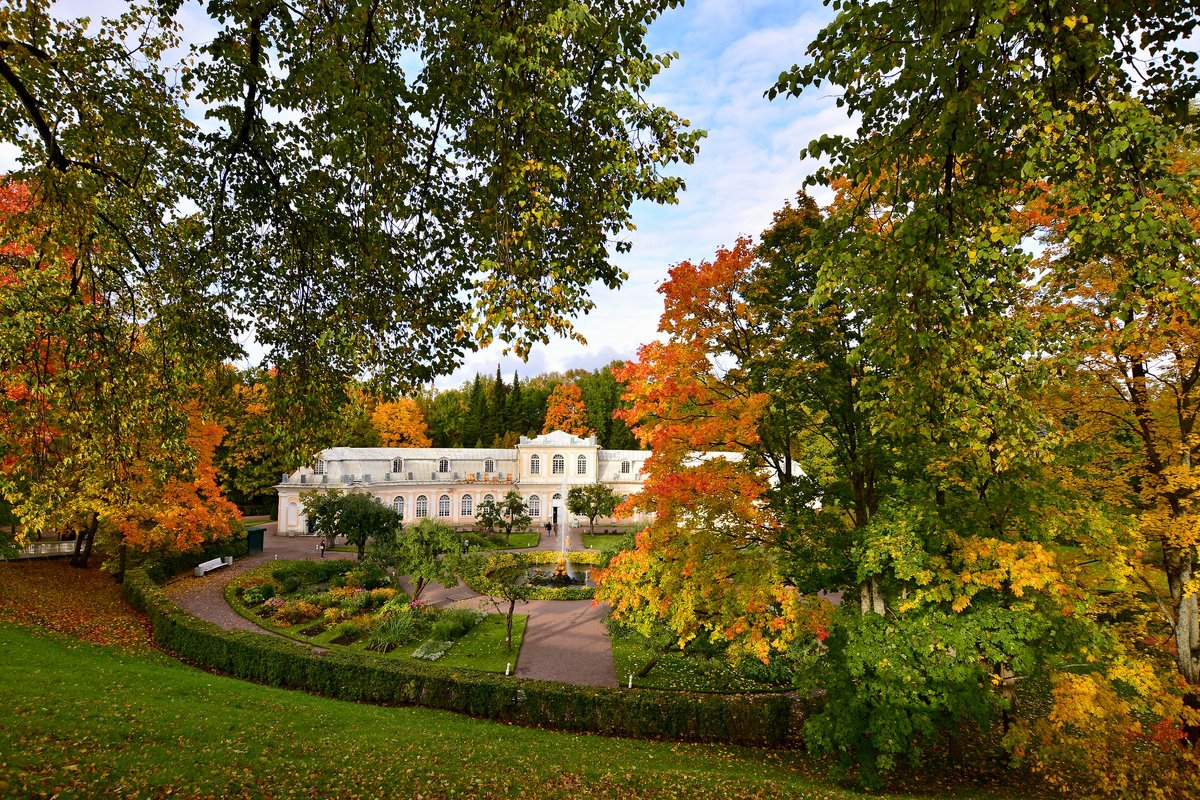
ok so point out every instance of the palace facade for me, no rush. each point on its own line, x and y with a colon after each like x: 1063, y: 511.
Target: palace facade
x: 449, y: 483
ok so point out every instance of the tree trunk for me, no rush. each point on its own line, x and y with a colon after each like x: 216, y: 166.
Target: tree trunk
x: 83, y: 543
x: 420, y: 587
x: 1187, y: 624
x: 121, y: 563
x: 512, y: 606
x: 652, y: 663
x: 871, y: 597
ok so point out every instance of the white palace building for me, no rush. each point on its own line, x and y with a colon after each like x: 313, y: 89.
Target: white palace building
x: 448, y: 483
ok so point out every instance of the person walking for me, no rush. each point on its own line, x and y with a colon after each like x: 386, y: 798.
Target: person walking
x: 321, y: 547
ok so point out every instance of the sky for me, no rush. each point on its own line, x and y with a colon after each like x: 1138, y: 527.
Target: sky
x: 729, y: 53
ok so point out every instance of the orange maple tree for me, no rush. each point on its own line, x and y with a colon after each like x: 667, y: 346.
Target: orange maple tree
x: 565, y: 411
x: 400, y: 423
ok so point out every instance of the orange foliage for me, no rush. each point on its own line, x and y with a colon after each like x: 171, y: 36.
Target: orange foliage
x: 400, y: 424
x: 187, y: 510
x: 565, y: 411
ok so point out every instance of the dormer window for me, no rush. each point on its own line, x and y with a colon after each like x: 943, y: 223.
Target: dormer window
x: 535, y: 465
x: 489, y: 465
x: 397, y: 465
x: 558, y: 465
x: 625, y: 467
x: 581, y: 465
x: 319, y: 469
x: 443, y: 465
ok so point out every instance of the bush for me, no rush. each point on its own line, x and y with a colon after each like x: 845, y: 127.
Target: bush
x: 354, y: 628
x: 255, y: 595
x: 771, y: 720
x: 394, y: 630
x: 297, y: 611
x: 432, y: 650
x: 364, y: 576
x: 454, y: 624
x: 160, y: 566
x: 310, y: 573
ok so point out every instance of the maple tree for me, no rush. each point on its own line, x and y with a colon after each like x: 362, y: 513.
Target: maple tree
x: 565, y: 411
x: 400, y: 423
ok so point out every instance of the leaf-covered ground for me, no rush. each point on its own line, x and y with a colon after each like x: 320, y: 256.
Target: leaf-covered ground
x: 79, y: 720
x: 81, y: 603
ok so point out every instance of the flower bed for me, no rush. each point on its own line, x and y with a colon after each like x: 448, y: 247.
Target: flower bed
x: 344, y: 606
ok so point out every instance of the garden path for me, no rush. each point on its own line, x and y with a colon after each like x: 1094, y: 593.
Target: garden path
x: 565, y: 640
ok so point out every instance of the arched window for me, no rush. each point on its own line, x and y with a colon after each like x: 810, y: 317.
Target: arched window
x: 443, y: 465
x: 489, y: 465
x: 397, y: 465
x: 398, y: 506
x: 320, y: 467
x: 557, y: 496
x: 535, y: 506
x: 558, y: 465
x: 379, y: 499
x: 422, y: 506
x: 535, y: 464
x: 489, y: 498
x: 581, y: 465
x: 444, y: 506
x: 468, y: 506
x: 624, y: 467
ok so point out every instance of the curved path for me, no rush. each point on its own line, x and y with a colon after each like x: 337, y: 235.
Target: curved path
x: 565, y: 640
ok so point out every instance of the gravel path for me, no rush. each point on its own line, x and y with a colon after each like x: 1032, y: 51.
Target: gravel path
x: 564, y: 640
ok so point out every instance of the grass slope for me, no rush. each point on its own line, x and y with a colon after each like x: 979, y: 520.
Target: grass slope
x: 80, y: 720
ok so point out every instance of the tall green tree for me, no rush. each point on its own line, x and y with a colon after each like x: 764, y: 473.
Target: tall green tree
x: 377, y: 188
x: 427, y: 552
x: 966, y: 114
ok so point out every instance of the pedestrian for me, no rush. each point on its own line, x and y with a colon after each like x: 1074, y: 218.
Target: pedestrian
x: 547, y: 528
x: 321, y: 547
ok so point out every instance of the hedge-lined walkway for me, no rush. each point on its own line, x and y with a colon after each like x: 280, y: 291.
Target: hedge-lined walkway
x: 565, y: 640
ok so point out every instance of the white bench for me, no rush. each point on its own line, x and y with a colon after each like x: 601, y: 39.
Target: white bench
x: 209, y: 566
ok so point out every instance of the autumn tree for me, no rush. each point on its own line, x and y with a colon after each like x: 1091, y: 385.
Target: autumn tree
x: 343, y: 157
x: 565, y: 411
x: 400, y: 423
x: 966, y: 116
x: 591, y: 501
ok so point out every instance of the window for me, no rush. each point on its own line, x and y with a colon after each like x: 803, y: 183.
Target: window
x: 444, y: 506
x: 398, y: 506
x: 624, y: 467
x: 468, y: 506
x: 487, y: 498
x: 559, y: 465
x: 581, y: 465
x: 535, y: 465
x: 535, y: 506
x: 397, y: 465
x: 422, y: 506
x: 489, y: 465
x: 379, y: 499
x: 443, y: 465
x: 320, y: 467
x: 557, y: 496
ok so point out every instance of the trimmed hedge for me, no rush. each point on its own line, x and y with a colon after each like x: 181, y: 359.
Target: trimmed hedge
x: 772, y: 720
x: 533, y: 558
x: 161, y: 566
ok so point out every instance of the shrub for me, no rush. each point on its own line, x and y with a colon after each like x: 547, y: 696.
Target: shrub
x: 309, y: 573
x: 354, y: 628
x: 334, y: 614
x: 365, y: 576
x: 297, y: 611
x: 255, y: 595
x: 381, y: 596
x: 273, y: 604
x: 454, y: 624
x: 432, y: 650
x: 398, y: 603
x: 394, y: 630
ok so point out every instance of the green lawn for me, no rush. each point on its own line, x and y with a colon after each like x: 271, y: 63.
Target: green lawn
x: 81, y: 721
x: 517, y: 540
x: 603, y: 541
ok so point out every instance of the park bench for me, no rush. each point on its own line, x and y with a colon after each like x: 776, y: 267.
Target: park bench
x: 209, y: 566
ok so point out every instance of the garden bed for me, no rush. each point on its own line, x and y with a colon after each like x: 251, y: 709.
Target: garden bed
x: 344, y: 605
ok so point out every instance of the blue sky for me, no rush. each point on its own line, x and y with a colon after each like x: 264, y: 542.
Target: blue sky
x: 730, y: 53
